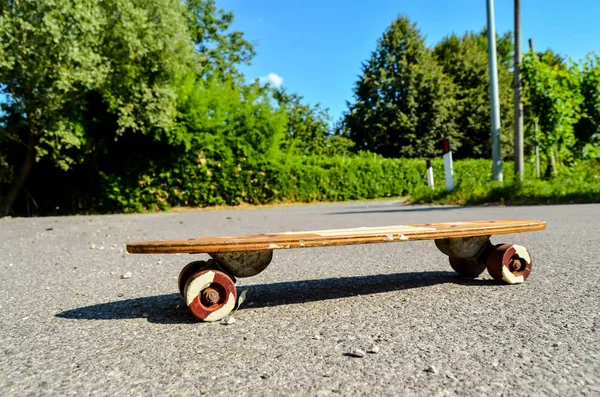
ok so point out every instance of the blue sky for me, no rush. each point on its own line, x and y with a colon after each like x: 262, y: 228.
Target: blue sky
x: 315, y: 47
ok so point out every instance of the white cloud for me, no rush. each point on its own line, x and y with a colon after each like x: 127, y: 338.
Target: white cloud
x: 272, y: 78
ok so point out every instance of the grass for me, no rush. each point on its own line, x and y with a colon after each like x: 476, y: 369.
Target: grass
x: 579, y: 183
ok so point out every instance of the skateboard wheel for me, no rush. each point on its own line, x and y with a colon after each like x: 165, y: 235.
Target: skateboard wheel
x: 189, y: 269
x: 509, y: 263
x: 210, y: 294
x: 467, y: 268
x: 193, y: 268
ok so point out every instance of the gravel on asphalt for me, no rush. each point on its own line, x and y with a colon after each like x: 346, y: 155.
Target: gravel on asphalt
x: 80, y: 316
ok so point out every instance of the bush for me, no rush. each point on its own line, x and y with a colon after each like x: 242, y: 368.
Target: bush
x: 197, y: 181
x: 214, y: 177
x: 579, y: 183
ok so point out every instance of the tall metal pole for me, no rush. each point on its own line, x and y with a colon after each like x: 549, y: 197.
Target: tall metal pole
x: 518, y: 92
x: 494, y: 97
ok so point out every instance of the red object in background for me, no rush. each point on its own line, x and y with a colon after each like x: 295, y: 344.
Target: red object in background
x: 446, y: 146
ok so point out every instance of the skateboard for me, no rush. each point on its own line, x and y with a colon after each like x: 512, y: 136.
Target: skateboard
x: 208, y: 287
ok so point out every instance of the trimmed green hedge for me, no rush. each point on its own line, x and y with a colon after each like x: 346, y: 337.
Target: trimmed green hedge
x: 194, y: 181
x: 200, y: 182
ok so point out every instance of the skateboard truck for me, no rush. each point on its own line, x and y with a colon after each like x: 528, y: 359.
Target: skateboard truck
x: 208, y: 287
x: 244, y: 264
x: 468, y: 255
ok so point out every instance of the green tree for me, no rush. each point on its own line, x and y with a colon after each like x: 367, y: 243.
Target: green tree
x: 307, y: 127
x: 240, y: 117
x: 465, y: 60
x: 79, y: 75
x: 220, y: 49
x: 46, y: 53
x: 53, y: 53
x: 552, y: 95
x: 403, y: 101
x: 587, y: 130
x: 225, y: 133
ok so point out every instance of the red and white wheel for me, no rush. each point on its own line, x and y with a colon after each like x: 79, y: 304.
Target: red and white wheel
x: 189, y: 269
x: 509, y: 263
x: 210, y: 295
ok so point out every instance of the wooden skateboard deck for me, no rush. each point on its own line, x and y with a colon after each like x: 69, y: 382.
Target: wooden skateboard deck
x: 208, y: 287
x: 335, y: 237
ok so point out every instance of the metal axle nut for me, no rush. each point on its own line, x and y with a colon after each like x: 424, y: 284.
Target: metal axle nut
x: 211, y: 296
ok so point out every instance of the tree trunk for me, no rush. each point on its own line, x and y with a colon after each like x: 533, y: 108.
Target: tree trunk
x: 553, y: 161
x: 16, y: 188
x: 551, y: 165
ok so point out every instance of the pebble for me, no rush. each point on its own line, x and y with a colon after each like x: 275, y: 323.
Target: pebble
x: 145, y: 315
x: 264, y: 376
x: 373, y: 349
x: 354, y: 352
x: 228, y: 320
x: 120, y: 294
x: 126, y: 275
x: 316, y: 337
x: 431, y: 369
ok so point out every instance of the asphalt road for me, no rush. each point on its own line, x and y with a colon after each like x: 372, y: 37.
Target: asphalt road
x: 70, y: 325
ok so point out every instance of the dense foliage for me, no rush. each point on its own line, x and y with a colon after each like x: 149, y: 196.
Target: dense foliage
x: 553, y: 97
x: 130, y: 105
x: 587, y: 130
x: 392, y: 116
x: 197, y: 181
x: 79, y: 75
x: 465, y: 60
x: 308, y: 130
x: 55, y: 56
x: 403, y: 99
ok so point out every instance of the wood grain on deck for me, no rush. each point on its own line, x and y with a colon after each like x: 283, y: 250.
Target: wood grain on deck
x: 335, y: 237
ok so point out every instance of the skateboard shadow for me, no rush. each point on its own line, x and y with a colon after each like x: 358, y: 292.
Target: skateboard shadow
x: 170, y: 308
